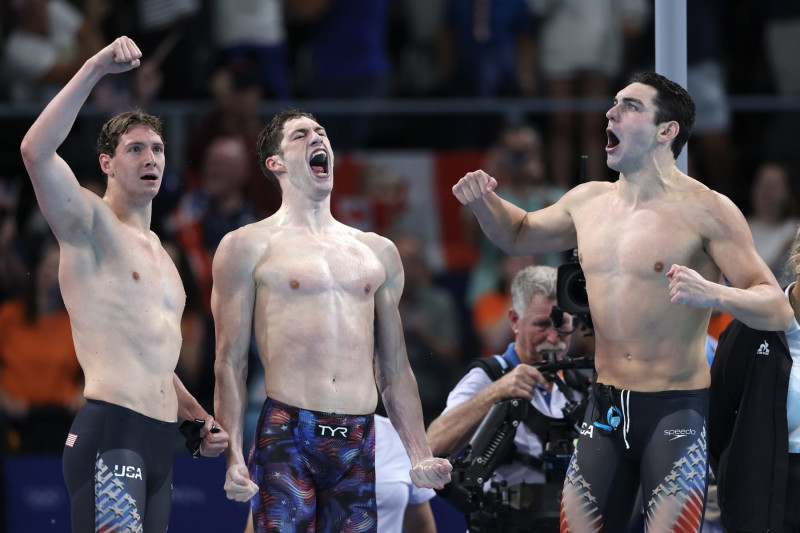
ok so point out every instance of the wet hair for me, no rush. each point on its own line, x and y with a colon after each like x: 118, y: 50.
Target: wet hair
x: 269, y: 140
x: 529, y: 281
x: 672, y: 103
x: 119, y: 125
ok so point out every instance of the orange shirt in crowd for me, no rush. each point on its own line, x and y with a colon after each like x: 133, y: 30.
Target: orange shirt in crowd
x: 37, y: 361
x: 490, y: 307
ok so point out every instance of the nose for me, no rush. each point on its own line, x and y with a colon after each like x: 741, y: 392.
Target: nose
x: 151, y: 158
x: 612, y: 112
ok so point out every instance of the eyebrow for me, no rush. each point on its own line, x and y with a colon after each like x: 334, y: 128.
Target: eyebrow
x: 629, y: 100
x: 306, y: 130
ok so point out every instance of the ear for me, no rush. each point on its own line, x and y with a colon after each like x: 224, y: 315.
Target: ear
x: 274, y: 163
x: 513, y: 318
x: 668, y: 131
x: 105, y: 164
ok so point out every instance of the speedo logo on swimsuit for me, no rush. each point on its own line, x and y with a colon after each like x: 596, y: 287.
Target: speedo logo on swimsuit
x: 678, y: 433
x: 332, y: 431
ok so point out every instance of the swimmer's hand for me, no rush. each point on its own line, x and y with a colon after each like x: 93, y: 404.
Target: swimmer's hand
x: 474, y: 185
x: 431, y: 473
x: 121, y: 55
x: 238, y: 485
x: 214, y: 438
x: 688, y: 287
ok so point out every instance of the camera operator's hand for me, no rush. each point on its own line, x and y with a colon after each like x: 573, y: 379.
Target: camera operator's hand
x: 519, y: 383
x: 473, y: 186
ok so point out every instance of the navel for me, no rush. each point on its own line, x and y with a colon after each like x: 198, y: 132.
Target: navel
x: 659, y: 266
x: 367, y: 288
x: 135, y: 276
x: 294, y: 284
x: 628, y: 356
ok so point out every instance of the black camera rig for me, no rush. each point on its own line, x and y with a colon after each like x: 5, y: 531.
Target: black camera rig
x: 525, y: 507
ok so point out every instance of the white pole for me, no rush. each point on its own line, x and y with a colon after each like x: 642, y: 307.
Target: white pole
x: 670, y: 21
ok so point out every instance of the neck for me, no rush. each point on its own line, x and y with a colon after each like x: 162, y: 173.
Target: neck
x: 137, y: 216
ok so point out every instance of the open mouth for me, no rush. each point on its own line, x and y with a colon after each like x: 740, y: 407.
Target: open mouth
x: 149, y: 177
x: 319, y: 163
x: 613, y: 140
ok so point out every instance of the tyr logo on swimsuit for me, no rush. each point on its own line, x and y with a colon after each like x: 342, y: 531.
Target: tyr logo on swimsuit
x: 332, y: 431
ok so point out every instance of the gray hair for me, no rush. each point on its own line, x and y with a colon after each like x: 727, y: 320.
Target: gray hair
x: 793, y: 264
x: 529, y: 281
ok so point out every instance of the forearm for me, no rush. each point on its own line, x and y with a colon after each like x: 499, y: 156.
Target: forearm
x: 53, y: 125
x: 401, y: 399
x: 501, y: 221
x: 188, y: 406
x: 230, y: 401
x: 452, y: 430
x: 763, y: 307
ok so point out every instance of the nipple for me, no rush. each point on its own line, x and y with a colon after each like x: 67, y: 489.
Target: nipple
x: 659, y: 266
x: 294, y: 284
x: 367, y: 288
x: 135, y: 276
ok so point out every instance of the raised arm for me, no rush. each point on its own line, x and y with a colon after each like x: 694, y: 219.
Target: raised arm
x: 512, y: 229
x: 232, y: 300
x: 396, y: 381
x: 754, y: 297
x: 66, y: 206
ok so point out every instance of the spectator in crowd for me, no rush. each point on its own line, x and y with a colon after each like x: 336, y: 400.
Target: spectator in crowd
x: 487, y: 49
x: 430, y: 326
x: 706, y: 82
x: 41, y: 383
x: 754, y: 421
x: 490, y: 312
x: 12, y: 268
x: 518, y: 157
x: 48, y: 44
x: 254, y: 30
x: 773, y: 218
x: 221, y: 205
x: 237, y: 93
x: 581, y: 53
x: 173, y: 34
x: 348, y: 56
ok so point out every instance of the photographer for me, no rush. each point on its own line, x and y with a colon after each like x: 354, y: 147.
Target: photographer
x: 536, y: 340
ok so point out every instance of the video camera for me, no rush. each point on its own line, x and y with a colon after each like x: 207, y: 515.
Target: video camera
x: 571, y: 295
x: 525, y: 507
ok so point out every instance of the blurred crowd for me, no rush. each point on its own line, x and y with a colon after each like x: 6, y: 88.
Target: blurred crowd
x: 222, y: 59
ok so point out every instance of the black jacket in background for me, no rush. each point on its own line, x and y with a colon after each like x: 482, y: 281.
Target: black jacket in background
x: 748, y: 438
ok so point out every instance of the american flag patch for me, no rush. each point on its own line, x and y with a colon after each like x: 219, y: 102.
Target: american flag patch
x: 71, y: 438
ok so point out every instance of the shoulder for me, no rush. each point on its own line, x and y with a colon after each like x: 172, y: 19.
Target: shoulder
x: 471, y: 384
x: 586, y: 192
x: 246, y: 244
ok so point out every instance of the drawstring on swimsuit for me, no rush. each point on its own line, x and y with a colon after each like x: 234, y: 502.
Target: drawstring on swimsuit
x: 626, y: 410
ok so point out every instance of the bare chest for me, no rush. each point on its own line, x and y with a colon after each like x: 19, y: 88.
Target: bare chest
x: 346, y: 266
x: 642, y: 242
x: 137, y: 274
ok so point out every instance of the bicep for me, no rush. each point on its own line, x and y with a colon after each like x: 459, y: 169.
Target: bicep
x: 730, y: 245
x: 549, y: 229
x: 232, y: 300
